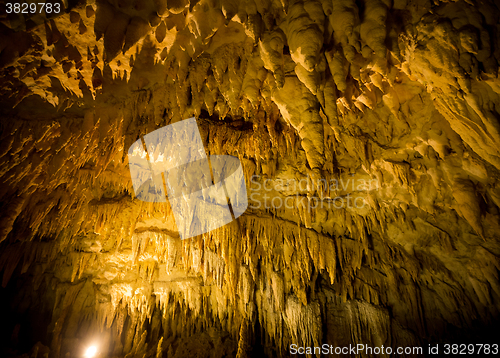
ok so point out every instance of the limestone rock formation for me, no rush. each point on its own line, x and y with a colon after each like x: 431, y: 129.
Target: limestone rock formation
x: 368, y: 133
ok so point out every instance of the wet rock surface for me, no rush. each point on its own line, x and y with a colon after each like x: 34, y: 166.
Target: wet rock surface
x: 368, y: 134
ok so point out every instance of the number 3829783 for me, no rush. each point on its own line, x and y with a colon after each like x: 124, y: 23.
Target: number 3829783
x: 32, y: 8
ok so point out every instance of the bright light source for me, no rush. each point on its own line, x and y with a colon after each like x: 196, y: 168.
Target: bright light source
x: 91, y: 352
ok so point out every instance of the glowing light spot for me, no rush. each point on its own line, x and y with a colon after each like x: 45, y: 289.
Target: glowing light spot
x: 91, y: 352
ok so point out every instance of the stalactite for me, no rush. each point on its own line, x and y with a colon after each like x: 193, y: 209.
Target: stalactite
x: 404, y: 97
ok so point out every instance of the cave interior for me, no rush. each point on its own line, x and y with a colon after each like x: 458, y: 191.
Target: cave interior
x: 367, y: 134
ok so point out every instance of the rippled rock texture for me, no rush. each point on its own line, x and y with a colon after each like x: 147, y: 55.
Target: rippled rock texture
x: 368, y: 132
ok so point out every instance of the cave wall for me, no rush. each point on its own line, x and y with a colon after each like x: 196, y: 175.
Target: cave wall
x: 400, y: 96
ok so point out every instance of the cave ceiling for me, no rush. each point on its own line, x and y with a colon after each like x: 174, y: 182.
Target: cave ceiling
x: 368, y: 134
